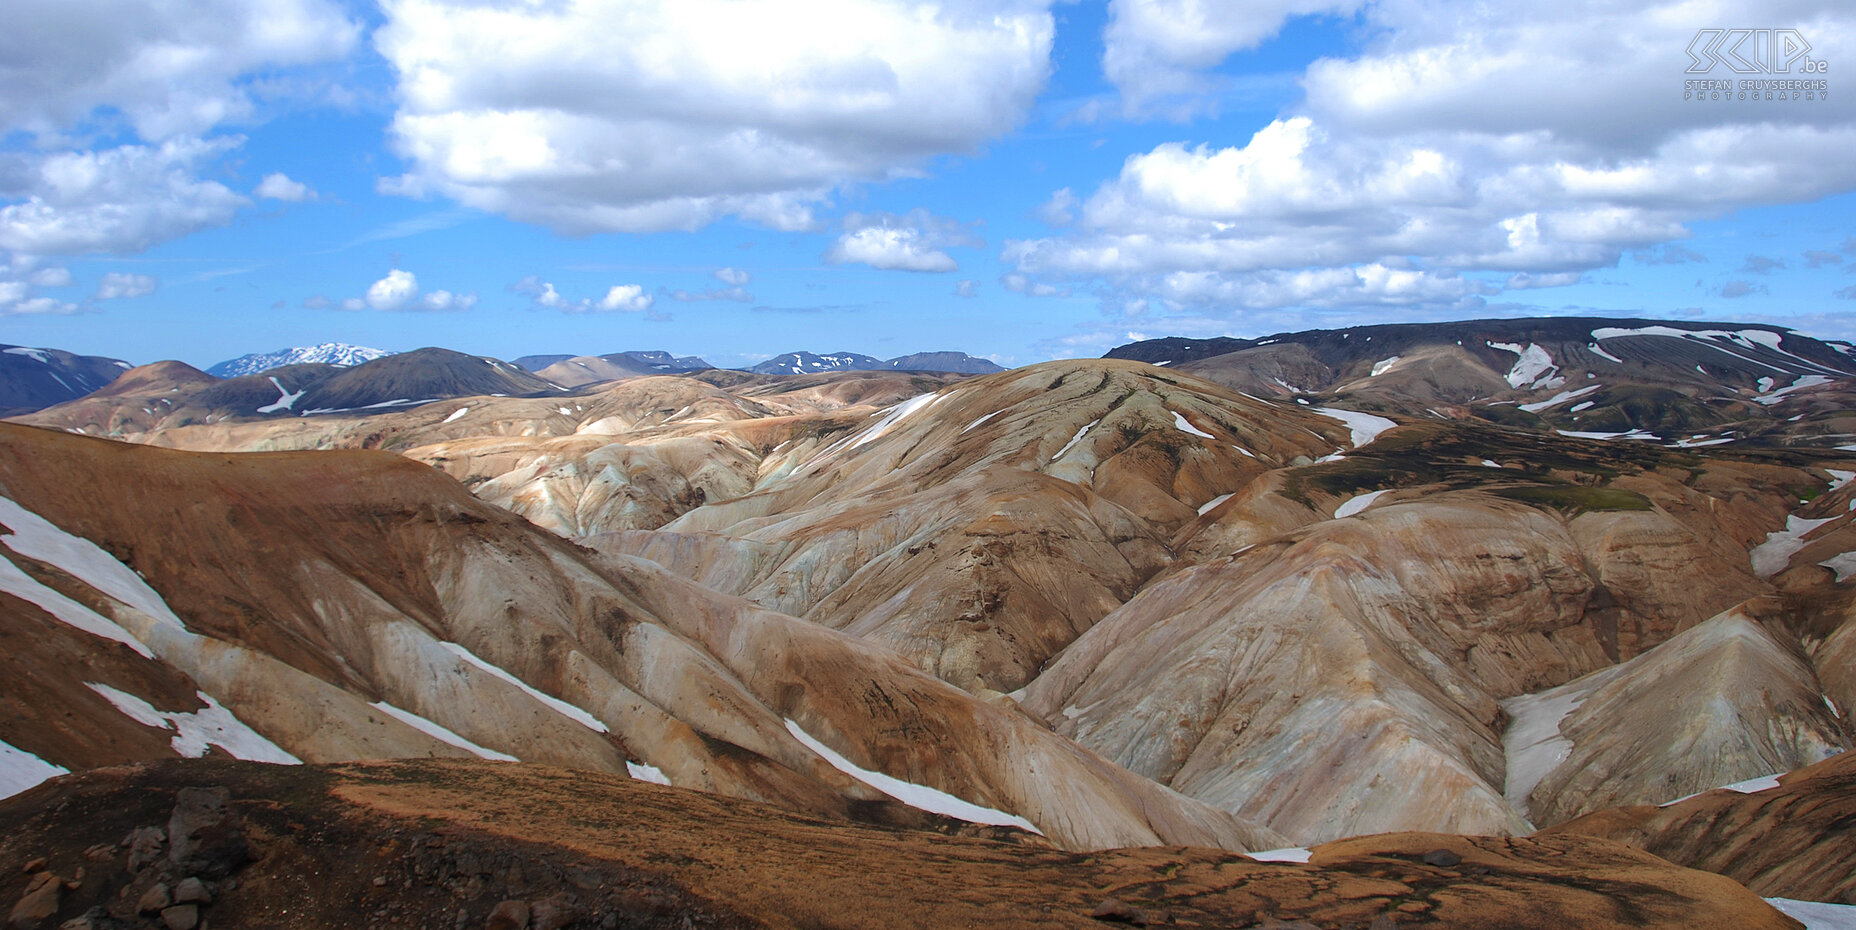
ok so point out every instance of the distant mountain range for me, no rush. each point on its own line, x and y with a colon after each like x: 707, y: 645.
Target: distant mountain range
x: 32, y: 379
x: 1682, y: 382
x: 339, y: 354
x: 807, y: 363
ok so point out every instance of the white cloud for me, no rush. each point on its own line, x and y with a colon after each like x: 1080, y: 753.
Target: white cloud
x: 627, y: 298
x: 734, y: 277
x: 170, y: 69
x: 601, y: 115
x: 966, y: 289
x: 279, y: 186
x: 1159, y: 50
x: 893, y: 249
x: 394, y: 291
x: 39, y: 306
x: 54, y: 276
x: 736, y: 294
x: 116, y: 285
x: 1450, y: 146
x: 118, y: 200
x: 631, y: 298
x: 900, y: 242
x: 1022, y: 284
x: 353, y: 303
x: 444, y: 302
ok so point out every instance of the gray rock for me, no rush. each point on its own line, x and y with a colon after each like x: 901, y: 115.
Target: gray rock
x: 508, y: 915
x: 154, y: 899
x: 38, y: 903
x: 203, y: 836
x: 181, y: 917
x: 192, y: 891
x: 1443, y: 858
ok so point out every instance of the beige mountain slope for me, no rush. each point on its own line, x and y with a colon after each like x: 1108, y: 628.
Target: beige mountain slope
x: 979, y: 530
x: 307, y: 593
x: 1735, y: 701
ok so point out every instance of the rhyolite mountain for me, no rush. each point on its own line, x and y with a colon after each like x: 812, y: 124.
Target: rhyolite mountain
x: 1117, y: 602
x: 339, y: 354
x: 33, y: 379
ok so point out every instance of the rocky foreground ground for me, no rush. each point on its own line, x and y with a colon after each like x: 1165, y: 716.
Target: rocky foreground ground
x: 196, y: 843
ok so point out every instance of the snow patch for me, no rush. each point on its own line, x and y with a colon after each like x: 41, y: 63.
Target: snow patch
x: 559, y: 706
x: 1560, y: 398
x: 1357, y: 503
x: 1533, y: 742
x: 650, y: 773
x: 981, y: 420
x: 212, y: 725
x: 1076, y: 439
x: 460, y: 412
x: 21, y: 770
x: 917, y: 796
x: 1601, y: 353
x: 1532, y: 363
x: 1212, y: 504
x: 891, y: 417
x: 1382, y: 366
x: 285, y: 398
x: 1843, y: 564
x: 1582, y: 405
x: 1289, y: 854
x: 1185, y: 426
x: 1771, y: 397
x: 1632, y: 434
x: 1771, y: 557
x: 36, y: 538
x: 14, y: 581
x: 440, y: 733
x: 37, y: 355
x: 1366, y: 427
x: 1491, y: 463
x: 1816, y: 915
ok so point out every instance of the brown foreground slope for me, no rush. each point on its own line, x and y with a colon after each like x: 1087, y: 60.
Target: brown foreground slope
x: 1793, y: 840
x: 474, y: 844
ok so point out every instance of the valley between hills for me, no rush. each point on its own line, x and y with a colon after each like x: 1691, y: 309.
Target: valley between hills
x: 1505, y: 623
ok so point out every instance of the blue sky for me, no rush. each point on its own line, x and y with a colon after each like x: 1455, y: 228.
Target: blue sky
x: 1017, y: 179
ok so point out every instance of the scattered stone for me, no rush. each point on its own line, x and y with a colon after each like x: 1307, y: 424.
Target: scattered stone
x: 1274, y: 924
x: 1443, y: 858
x: 204, y: 838
x: 508, y: 915
x: 144, y: 846
x: 154, y: 899
x: 181, y: 917
x: 380, y: 881
x: 35, y: 865
x: 1115, y: 910
x: 192, y: 891
x: 100, y: 852
x: 39, y: 902
x: 551, y: 914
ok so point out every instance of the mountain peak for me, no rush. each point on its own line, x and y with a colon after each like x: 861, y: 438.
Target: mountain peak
x: 340, y: 354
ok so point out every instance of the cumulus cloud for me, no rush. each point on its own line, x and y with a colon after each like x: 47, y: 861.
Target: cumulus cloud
x: 630, y: 298
x: 353, y: 303
x: 394, y: 291
x: 318, y: 302
x: 116, y: 285
x: 40, y: 306
x: 279, y: 186
x: 118, y: 200
x: 54, y: 276
x: 169, y: 69
x: 571, y: 114
x: 967, y: 289
x: 1157, y: 52
x: 900, y: 242
x: 736, y: 294
x: 733, y: 277
x: 624, y: 298
x: 1449, y: 146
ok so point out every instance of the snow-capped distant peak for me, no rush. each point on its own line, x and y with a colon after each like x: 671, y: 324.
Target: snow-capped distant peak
x: 328, y: 353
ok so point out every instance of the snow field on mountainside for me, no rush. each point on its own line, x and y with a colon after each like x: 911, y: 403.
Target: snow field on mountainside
x: 194, y: 731
x: 920, y: 797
